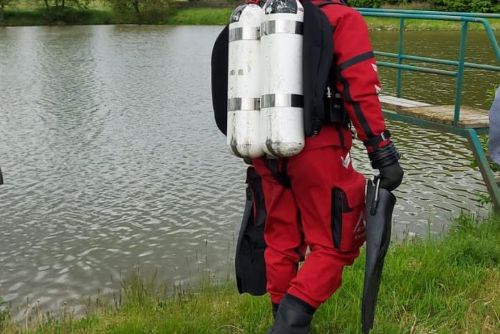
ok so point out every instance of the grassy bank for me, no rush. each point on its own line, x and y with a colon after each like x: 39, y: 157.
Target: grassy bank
x: 430, y: 286
x: 220, y: 16
x: 191, y: 16
x: 208, y: 16
x: 68, y: 16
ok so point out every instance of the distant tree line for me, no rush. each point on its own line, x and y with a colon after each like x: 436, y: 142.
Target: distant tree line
x: 52, y: 7
x: 72, y: 10
x: 482, y: 6
x: 143, y: 11
x: 157, y: 10
x: 3, y: 3
x: 65, y: 3
x: 138, y: 6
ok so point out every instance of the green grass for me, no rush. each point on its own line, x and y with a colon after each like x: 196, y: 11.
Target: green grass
x: 201, y: 16
x: 23, y: 17
x: 430, y: 286
x: 38, y: 17
x: 220, y: 16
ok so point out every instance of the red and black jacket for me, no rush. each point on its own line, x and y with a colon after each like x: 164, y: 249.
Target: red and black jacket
x: 354, y: 72
x: 358, y: 82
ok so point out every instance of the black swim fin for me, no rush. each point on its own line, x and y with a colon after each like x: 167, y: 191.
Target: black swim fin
x: 379, y: 207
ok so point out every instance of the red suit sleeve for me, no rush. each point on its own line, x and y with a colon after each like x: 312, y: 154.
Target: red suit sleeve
x: 357, y: 78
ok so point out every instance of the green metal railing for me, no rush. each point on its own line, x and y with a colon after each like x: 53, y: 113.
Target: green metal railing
x: 429, y: 12
x: 458, y: 74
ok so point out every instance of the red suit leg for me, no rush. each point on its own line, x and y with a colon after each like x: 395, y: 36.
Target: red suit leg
x: 330, y: 197
x: 283, y: 234
x: 324, y: 209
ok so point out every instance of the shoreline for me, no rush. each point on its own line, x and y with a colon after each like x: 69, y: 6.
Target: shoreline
x: 445, y: 285
x: 198, y: 16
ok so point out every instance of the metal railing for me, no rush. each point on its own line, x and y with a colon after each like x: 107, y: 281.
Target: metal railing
x: 460, y: 64
x: 429, y: 12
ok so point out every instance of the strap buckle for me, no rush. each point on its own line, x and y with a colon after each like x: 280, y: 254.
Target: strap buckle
x: 375, y: 141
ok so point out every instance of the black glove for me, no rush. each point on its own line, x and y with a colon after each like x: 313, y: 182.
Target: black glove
x: 391, y: 176
x: 386, y: 159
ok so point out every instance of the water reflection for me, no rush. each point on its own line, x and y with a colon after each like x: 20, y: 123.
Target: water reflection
x: 112, y: 159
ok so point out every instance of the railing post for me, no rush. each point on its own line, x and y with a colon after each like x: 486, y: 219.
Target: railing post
x: 400, y: 57
x: 460, y: 73
x: 492, y: 38
x: 485, y: 169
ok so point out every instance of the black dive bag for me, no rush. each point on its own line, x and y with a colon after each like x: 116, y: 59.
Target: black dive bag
x: 249, y: 261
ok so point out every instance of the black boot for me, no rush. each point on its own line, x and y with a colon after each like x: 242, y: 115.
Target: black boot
x: 275, y: 310
x: 294, y: 317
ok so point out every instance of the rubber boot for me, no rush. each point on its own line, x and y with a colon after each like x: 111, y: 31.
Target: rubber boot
x: 294, y: 317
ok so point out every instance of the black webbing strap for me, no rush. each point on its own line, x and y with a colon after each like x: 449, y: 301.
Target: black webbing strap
x: 324, y: 3
x: 280, y: 175
x: 375, y: 141
x: 384, y: 156
x: 335, y: 112
x: 334, y: 106
x: 321, y: 4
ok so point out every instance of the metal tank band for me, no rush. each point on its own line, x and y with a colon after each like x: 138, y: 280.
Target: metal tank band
x: 282, y: 100
x: 281, y: 27
x: 244, y: 33
x: 243, y: 103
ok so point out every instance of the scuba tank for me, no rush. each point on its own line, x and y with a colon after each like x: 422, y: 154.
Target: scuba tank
x: 243, y: 93
x: 282, y: 100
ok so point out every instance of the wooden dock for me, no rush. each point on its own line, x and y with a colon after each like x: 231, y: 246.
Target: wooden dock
x: 469, y: 117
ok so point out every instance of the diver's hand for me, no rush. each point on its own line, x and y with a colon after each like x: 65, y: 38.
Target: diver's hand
x: 385, y: 159
x: 391, y: 176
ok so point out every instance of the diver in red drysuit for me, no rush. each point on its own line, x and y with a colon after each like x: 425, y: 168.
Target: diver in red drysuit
x: 320, y: 204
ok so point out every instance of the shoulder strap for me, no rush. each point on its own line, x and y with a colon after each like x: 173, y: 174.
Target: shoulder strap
x: 317, y: 60
x: 325, y: 3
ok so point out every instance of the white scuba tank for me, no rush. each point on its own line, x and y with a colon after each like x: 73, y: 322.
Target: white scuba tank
x: 243, y: 108
x: 282, y: 100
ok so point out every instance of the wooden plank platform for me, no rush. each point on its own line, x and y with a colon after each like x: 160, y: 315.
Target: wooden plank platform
x: 469, y: 117
x: 398, y: 103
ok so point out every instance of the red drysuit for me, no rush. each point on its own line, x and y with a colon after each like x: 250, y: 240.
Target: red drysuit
x: 324, y: 206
